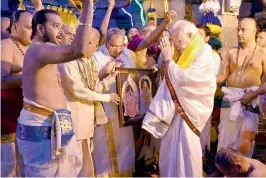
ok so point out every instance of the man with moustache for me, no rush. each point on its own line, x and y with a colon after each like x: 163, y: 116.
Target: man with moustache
x: 242, y: 70
x: 45, y: 135
x: 131, y: 33
x: 13, y: 50
x: 83, y: 91
x: 114, y: 149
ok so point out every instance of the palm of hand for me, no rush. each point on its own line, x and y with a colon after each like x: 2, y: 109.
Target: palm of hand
x: 170, y: 15
x: 167, y: 49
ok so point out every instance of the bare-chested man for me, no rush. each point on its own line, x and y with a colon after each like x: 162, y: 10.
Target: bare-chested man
x: 12, y: 56
x: 45, y: 134
x: 242, y: 70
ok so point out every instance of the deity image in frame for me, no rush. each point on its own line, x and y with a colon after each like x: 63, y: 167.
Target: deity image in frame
x: 145, y: 86
x: 130, y: 97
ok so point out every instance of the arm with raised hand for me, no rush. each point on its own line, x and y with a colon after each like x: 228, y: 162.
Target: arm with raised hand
x: 37, y: 5
x: 155, y: 35
x: 106, y: 20
x: 79, y: 46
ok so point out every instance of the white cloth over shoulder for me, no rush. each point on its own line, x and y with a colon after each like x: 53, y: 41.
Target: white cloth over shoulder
x: 195, y: 87
x: 233, y: 96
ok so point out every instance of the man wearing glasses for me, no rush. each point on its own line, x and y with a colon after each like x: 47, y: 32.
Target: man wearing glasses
x: 114, y: 148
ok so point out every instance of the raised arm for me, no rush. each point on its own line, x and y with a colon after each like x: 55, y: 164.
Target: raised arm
x: 37, y: 5
x: 155, y: 35
x: 105, y: 22
x: 223, y: 76
x: 49, y: 53
x: 7, y: 80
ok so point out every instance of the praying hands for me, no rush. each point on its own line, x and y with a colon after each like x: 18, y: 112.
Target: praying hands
x: 167, y: 50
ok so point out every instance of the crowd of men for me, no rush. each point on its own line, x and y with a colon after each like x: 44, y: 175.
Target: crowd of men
x: 59, y: 96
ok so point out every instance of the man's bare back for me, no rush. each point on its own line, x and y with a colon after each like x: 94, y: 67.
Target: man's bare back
x: 259, y: 169
x: 251, y: 76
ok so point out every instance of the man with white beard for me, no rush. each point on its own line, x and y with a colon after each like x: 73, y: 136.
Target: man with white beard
x: 183, y: 103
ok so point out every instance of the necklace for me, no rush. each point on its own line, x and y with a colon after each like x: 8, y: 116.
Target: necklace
x: 242, y: 68
x: 17, y: 44
x: 59, y: 80
x: 90, y: 67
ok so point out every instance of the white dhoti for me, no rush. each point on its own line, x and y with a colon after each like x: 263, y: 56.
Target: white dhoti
x: 114, y: 147
x: 237, y: 122
x: 8, y: 159
x: 85, y: 162
x: 180, y: 152
x: 37, y: 143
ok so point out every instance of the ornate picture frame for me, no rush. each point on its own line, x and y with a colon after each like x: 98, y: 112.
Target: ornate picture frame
x: 136, y: 88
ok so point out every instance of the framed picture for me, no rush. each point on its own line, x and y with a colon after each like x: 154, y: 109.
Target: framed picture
x: 136, y: 89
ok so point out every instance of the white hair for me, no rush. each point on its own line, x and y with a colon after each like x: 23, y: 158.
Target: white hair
x: 184, y: 26
x: 114, y: 31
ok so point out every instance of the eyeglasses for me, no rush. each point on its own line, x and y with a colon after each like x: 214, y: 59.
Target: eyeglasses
x: 115, y: 47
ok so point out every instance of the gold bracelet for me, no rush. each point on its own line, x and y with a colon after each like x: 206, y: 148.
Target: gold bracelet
x: 84, y: 24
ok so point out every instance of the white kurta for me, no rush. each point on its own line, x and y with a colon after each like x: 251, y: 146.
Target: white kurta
x: 180, y: 152
x: 114, y: 147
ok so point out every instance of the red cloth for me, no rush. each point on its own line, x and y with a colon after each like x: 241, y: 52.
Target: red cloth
x: 11, y: 105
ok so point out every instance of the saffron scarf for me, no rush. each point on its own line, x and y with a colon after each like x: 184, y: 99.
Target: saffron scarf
x: 191, y: 51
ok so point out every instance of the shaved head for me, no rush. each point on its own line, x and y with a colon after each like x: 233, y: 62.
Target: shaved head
x: 95, y: 35
x: 68, y: 35
x: 94, y: 41
x: 250, y: 22
x: 247, y: 30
